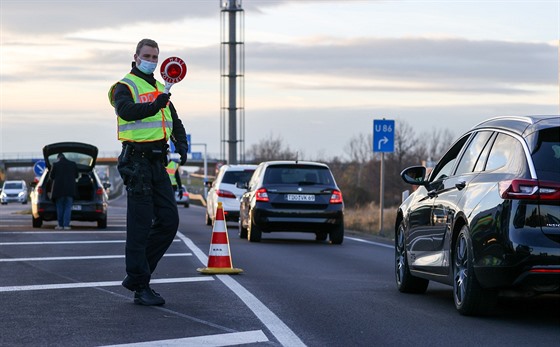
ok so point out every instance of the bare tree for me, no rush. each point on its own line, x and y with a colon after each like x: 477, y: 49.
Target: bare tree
x: 359, y: 149
x: 271, y: 148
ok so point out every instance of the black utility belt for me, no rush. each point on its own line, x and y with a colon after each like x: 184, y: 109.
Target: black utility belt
x: 154, y: 154
x: 149, y: 154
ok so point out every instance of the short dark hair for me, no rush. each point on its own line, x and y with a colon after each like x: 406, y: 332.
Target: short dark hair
x: 146, y: 42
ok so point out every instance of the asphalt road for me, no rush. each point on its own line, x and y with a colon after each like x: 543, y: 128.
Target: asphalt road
x: 62, y: 288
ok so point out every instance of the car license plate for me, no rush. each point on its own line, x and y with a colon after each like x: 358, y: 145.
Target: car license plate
x: 76, y: 207
x: 300, y: 197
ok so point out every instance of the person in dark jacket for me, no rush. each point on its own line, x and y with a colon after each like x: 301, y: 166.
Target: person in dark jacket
x: 64, y: 173
x: 146, y: 120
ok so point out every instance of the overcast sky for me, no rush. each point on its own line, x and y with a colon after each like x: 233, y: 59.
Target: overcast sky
x: 317, y: 73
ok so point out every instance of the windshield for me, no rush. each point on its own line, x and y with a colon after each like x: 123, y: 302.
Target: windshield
x: 13, y: 185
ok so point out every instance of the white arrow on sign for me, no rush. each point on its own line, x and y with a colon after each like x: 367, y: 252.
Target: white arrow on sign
x: 383, y: 141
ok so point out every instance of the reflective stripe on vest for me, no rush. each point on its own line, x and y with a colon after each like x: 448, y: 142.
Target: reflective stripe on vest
x: 153, y: 128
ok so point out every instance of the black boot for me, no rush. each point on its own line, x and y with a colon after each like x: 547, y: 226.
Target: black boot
x: 147, y: 297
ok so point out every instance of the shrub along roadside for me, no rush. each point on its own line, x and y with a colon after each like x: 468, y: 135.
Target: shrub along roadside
x: 365, y: 219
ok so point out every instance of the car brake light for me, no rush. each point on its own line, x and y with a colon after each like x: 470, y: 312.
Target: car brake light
x: 99, y: 191
x: 225, y: 194
x: 336, y: 197
x: 262, y: 195
x: 40, y: 190
x: 529, y: 189
x: 544, y: 270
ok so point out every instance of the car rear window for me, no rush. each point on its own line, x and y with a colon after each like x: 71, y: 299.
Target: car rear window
x: 79, y: 158
x: 546, y: 156
x: 232, y: 177
x: 298, y: 175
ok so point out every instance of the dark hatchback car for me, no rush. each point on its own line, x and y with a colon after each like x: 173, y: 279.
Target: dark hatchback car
x: 292, y: 196
x: 90, y: 200
x: 487, y: 218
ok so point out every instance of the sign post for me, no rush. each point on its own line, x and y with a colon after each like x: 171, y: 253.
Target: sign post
x: 383, y: 141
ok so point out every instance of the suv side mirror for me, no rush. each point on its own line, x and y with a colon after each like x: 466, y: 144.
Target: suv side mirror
x: 415, y: 175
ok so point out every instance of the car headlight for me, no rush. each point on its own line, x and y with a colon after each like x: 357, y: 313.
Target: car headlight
x: 2, y: 195
x: 21, y: 194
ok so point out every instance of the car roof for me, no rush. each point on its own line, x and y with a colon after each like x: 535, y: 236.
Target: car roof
x: 521, y: 125
x: 294, y: 162
x: 238, y: 167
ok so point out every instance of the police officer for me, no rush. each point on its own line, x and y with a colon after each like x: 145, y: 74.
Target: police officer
x: 146, y: 121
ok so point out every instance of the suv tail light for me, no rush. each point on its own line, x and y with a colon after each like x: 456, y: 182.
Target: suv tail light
x: 336, y: 197
x: 529, y: 189
x: 225, y: 194
x: 99, y: 191
x: 262, y: 195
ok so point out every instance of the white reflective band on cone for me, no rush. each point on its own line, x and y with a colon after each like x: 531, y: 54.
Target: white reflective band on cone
x: 219, y: 251
x: 219, y: 226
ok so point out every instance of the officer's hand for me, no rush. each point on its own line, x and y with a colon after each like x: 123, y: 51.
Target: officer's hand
x: 161, y: 101
x: 182, y: 150
x: 180, y: 194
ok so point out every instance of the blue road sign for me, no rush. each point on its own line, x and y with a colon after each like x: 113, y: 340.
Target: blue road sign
x: 197, y: 155
x: 383, y: 135
x: 39, y: 167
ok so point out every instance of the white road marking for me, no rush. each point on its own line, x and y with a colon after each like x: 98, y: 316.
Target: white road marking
x: 98, y: 284
x: 230, y: 339
x: 279, y: 329
x: 85, y: 257
x: 370, y: 242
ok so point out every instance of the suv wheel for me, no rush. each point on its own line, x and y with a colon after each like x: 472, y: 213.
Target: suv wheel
x: 336, y: 235
x: 254, y: 233
x: 470, y: 298
x: 406, y: 283
x: 102, y: 223
x: 37, y: 222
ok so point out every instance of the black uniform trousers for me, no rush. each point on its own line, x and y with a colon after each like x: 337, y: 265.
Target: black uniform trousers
x: 152, y: 216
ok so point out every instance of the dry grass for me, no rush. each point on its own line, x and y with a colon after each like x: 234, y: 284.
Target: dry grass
x: 365, y: 219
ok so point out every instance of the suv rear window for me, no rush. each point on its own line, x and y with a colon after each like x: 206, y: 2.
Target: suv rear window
x: 298, y: 174
x: 232, y: 177
x: 546, y: 156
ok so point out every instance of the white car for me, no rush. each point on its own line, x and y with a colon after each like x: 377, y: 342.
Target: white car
x: 14, y: 191
x: 228, y: 189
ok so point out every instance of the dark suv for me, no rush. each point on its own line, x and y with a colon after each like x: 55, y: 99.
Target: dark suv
x: 90, y: 200
x: 486, y: 220
x: 292, y: 196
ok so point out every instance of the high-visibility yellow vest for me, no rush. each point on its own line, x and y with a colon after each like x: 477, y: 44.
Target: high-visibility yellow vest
x: 153, y: 128
x: 171, y: 168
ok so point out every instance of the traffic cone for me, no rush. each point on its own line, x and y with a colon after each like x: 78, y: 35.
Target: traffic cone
x: 219, y: 258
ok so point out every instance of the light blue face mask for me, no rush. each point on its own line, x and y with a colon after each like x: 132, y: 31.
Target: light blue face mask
x: 147, y: 67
